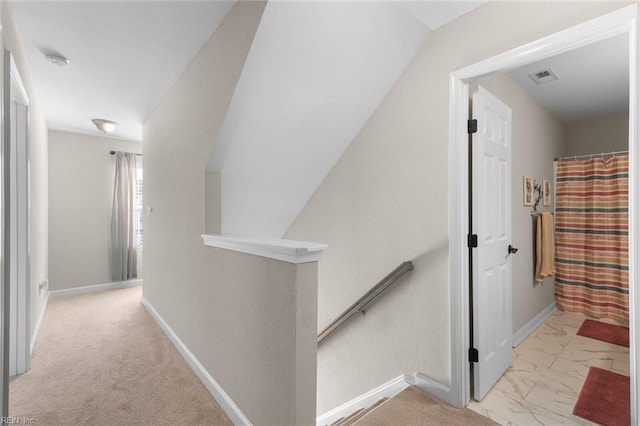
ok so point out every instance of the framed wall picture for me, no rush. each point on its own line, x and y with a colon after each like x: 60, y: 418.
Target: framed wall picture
x: 546, y: 193
x: 527, y: 190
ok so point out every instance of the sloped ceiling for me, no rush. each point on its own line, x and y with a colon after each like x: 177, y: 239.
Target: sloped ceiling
x: 435, y: 13
x: 315, y: 73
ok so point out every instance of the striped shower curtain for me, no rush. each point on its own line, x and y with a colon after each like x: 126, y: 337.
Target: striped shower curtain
x: 592, y: 269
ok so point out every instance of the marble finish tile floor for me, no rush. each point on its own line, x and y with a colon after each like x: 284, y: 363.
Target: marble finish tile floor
x: 545, y: 379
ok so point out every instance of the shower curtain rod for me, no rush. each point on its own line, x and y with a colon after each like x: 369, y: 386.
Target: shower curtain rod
x: 113, y: 152
x: 575, y: 157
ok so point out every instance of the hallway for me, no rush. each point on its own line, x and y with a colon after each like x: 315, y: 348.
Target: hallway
x: 101, y: 359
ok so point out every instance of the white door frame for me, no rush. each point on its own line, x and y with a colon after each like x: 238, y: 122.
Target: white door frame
x: 4, y: 245
x: 621, y: 21
x: 17, y: 126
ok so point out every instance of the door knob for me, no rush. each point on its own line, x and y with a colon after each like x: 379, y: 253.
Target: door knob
x: 512, y: 249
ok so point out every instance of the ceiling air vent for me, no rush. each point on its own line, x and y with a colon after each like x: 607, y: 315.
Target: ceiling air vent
x: 544, y: 76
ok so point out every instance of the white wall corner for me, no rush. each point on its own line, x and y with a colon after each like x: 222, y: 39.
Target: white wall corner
x: 387, y: 390
x: 38, y: 325
x: 278, y: 249
x: 535, y: 322
x: 222, y: 398
x: 97, y: 287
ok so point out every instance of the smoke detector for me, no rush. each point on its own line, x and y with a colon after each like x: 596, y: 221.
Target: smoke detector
x: 57, y: 58
x: 545, y: 76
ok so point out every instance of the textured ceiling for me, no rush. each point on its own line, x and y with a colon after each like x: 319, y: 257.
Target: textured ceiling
x: 593, y: 81
x: 124, y: 56
x: 433, y: 13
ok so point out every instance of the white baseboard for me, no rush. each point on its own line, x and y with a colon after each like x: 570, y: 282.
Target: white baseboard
x: 387, y: 390
x: 96, y: 287
x: 38, y: 325
x: 530, y: 327
x: 433, y: 387
x: 221, y: 397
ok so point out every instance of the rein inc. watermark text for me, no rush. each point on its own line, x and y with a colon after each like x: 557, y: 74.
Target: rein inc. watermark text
x: 17, y: 421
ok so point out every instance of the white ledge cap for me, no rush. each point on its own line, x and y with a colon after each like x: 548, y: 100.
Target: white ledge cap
x: 273, y: 248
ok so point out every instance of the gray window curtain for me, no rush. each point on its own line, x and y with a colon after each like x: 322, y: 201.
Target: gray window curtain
x: 123, y: 223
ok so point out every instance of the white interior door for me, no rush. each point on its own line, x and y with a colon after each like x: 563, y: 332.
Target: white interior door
x: 491, y: 222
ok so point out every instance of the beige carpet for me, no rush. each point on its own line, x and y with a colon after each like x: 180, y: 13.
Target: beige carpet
x: 412, y: 407
x: 100, y: 359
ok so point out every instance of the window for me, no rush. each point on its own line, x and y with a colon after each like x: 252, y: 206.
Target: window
x: 139, y: 204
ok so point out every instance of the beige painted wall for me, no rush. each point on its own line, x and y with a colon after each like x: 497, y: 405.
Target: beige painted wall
x: 597, y: 136
x: 81, y: 175
x: 538, y: 137
x: 38, y: 146
x: 386, y: 201
x: 213, y: 205
x: 236, y: 313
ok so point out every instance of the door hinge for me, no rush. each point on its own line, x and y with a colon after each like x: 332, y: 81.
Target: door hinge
x: 472, y: 126
x: 472, y: 240
x: 473, y: 355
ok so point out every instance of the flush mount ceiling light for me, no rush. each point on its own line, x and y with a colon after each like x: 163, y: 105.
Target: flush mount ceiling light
x: 106, y: 126
x: 57, y: 58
